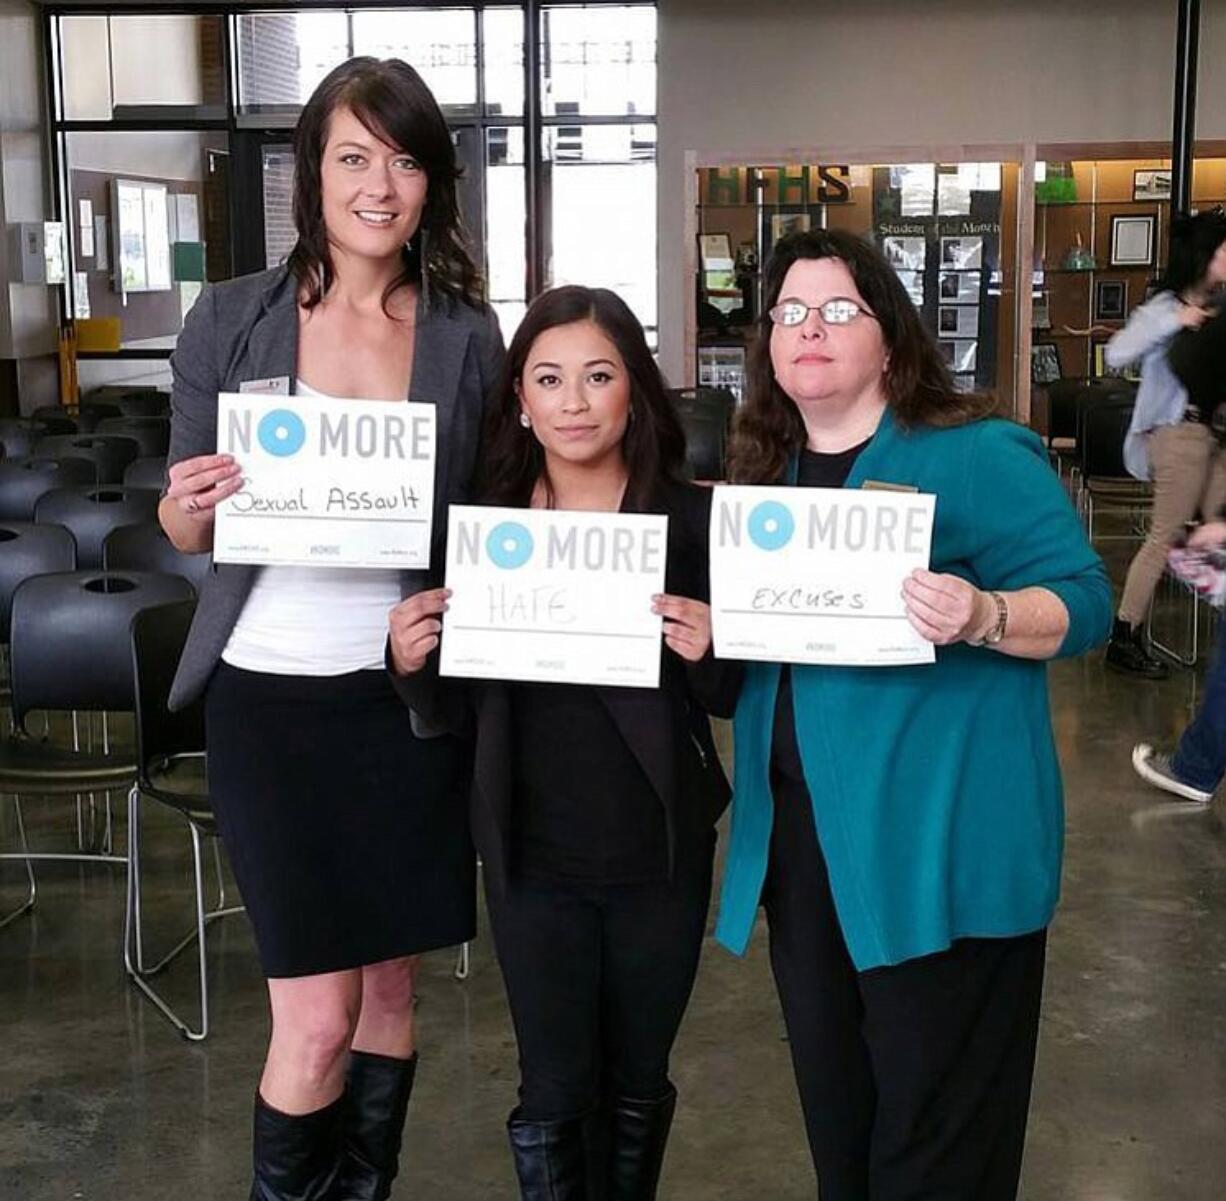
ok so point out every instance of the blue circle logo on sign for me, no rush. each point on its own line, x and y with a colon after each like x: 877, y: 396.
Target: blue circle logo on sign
x: 509, y: 545
x: 281, y: 433
x: 771, y: 525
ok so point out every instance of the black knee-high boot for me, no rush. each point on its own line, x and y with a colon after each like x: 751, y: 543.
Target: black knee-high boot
x: 296, y: 1156
x: 640, y: 1134
x: 549, y: 1158
x: 377, y: 1091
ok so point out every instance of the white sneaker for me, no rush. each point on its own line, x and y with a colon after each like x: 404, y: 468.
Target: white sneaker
x: 1155, y: 767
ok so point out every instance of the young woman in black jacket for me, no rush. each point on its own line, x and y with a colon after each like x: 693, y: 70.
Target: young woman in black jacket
x: 593, y: 807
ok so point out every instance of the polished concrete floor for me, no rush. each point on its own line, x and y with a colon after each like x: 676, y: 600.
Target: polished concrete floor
x: 101, y: 1100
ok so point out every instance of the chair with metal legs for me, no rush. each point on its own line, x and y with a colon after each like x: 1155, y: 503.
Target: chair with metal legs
x: 170, y: 769
x: 26, y: 550
x: 71, y: 651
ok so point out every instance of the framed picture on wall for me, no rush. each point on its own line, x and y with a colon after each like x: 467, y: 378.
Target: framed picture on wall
x: 783, y: 224
x: 959, y: 287
x: 1040, y: 311
x: 913, y: 281
x: 1132, y: 240
x: 958, y: 321
x: 1152, y: 184
x: 1110, y: 299
x: 962, y: 254
x: 1044, y: 362
x: 1102, y: 368
x: 905, y: 254
x: 959, y: 356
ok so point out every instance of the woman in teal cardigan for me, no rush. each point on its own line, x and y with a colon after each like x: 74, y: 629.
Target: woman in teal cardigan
x: 903, y: 826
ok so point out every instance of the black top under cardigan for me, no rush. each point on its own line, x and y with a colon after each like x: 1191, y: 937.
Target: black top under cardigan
x: 666, y: 728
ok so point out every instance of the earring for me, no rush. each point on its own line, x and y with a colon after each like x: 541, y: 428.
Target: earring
x: 525, y: 420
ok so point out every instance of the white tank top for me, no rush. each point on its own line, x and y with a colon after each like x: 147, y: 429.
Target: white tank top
x: 314, y: 621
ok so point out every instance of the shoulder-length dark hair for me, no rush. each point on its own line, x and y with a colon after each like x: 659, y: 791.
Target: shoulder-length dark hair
x: 393, y: 102
x: 654, y: 443
x: 1194, y: 242
x: 919, y: 389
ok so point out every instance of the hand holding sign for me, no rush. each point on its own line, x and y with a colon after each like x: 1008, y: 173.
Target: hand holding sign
x: 201, y: 483
x: 687, y: 625
x: 945, y: 608
x: 414, y: 627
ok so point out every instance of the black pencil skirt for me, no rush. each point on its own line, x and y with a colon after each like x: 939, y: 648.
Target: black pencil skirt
x: 347, y: 834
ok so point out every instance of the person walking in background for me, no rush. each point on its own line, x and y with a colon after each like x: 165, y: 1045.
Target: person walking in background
x: 1193, y: 771
x: 1168, y: 441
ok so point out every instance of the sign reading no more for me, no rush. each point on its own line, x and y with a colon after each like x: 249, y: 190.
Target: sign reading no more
x: 553, y: 596
x: 327, y: 482
x: 815, y: 575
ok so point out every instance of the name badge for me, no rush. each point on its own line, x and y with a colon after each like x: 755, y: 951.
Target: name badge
x: 883, y: 486
x: 274, y: 385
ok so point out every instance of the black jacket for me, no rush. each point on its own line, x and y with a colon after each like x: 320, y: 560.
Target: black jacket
x: 1198, y: 359
x: 666, y: 728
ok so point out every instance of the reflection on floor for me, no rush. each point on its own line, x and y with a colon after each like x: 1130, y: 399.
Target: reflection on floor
x: 99, y: 1099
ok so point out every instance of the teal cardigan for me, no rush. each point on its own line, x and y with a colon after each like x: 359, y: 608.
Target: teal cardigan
x: 936, y: 791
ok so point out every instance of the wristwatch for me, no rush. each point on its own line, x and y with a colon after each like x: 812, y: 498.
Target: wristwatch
x: 997, y: 632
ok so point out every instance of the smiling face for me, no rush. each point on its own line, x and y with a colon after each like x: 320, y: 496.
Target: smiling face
x: 820, y: 364
x: 575, y: 390
x: 373, y: 193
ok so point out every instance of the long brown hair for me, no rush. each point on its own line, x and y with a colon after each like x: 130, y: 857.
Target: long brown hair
x: 654, y: 443
x: 768, y: 428
x: 393, y: 102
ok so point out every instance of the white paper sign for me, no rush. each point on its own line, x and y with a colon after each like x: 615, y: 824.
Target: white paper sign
x: 328, y: 483
x: 553, y: 596
x: 814, y: 575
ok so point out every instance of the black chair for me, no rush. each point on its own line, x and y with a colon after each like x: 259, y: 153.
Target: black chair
x: 149, y: 471
x: 110, y: 454
x: 1062, y: 418
x: 20, y: 435
x: 93, y: 512
x: 706, y: 416
x: 26, y: 550
x: 89, y: 416
x: 71, y: 650
x: 145, y: 547
x: 24, y: 481
x: 129, y: 401
x: 170, y: 769
x: 1104, y: 480
x: 151, y: 434
x: 57, y: 419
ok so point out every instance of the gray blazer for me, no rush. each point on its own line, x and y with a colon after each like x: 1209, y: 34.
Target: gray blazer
x: 247, y: 329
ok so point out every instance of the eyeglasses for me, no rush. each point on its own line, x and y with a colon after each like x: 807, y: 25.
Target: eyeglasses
x: 838, y: 310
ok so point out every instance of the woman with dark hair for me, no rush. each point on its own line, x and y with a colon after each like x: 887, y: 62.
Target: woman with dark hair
x: 593, y: 807
x: 1169, y: 440
x: 340, y: 818
x: 902, y: 825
